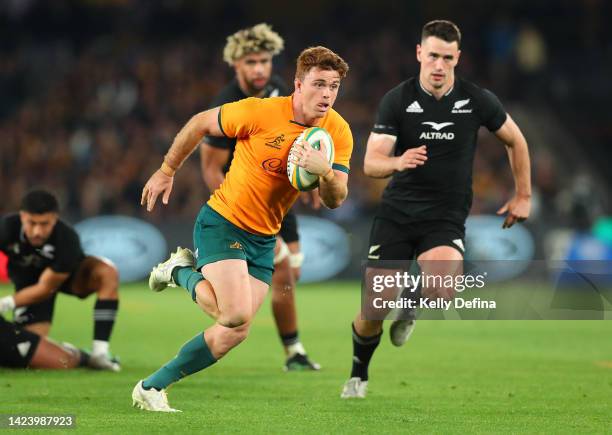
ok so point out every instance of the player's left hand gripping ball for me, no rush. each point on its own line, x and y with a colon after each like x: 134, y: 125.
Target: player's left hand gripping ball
x: 311, y: 156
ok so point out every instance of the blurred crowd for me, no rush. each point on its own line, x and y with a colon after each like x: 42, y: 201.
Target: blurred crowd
x: 94, y: 91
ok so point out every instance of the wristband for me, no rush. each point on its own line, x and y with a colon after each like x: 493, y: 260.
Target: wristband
x: 167, y: 170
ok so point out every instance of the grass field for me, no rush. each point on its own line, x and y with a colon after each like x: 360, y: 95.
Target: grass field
x: 452, y: 377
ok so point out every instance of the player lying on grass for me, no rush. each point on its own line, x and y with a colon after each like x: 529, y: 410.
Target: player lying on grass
x: 44, y: 257
x: 20, y: 348
x: 249, y: 52
x: 425, y: 138
x: 235, y: 232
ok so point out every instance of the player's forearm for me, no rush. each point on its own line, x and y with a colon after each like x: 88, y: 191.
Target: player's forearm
x: 332, y: 189
x: 518, y: 154
x: 379, y: 166
x: 32, y: 295
x: 187, y: 139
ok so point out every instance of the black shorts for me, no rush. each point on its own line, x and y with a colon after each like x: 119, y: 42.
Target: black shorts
x: 42, y: 311
x: 288, y: 230
x: 390, y: 240
x: 17, y: 346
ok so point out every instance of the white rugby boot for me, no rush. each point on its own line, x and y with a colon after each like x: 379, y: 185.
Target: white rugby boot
x: 104, y: 362
x: 161, y: 275
x: 401, y: 330
x: 354, y: 388
x: 150, y: 400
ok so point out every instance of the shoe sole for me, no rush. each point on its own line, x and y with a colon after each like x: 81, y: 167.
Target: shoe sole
x: 163, y: 286
x: 399, y: 343
x: 139, y: 403
x: 157, y: 288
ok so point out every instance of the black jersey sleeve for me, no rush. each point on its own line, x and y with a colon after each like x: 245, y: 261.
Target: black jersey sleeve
x: 223, y: 142
x: 388, y: 117
x: 69, y: 253
x: 492, y: 112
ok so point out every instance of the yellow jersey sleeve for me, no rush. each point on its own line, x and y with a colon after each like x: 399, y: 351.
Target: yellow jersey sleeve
x: 343, y: 148
x: 240, y: 119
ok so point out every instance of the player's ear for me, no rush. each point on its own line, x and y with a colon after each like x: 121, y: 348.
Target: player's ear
x: 458, y: 56
x: 298, y: 85
x: 418, y: 52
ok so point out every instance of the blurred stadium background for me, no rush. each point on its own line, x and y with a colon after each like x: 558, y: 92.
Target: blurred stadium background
x: 93, y: 92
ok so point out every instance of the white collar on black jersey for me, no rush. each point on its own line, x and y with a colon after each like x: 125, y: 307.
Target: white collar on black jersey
x: 431, y: 95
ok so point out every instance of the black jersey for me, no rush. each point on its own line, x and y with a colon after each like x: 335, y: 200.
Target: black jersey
x: 62, y: 252
x: 442, y: 187
x: 232, y: 92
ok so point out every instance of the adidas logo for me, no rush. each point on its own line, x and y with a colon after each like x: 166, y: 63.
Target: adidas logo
x: 235, y: 245
x: 414, y: 107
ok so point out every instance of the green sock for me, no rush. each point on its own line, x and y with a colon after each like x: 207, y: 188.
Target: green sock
x: 191, y: 358
x: 187, y: 278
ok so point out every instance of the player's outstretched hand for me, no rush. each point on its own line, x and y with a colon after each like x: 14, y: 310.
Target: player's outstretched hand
x: 518, y: 209
x: 314, y: 161
x: 411, y: 158
x: 159, y: 183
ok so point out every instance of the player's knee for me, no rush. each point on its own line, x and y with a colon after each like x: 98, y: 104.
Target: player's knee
x: 107, y: 276
x: 234, y: 319
x: 110, y: 274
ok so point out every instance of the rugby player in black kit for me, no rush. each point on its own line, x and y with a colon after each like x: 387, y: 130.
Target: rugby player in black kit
x: 21, y: 349
x: 425, y: 138
x: 45, y: 256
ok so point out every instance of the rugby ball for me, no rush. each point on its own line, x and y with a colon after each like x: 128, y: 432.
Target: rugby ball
x: 299, y: 177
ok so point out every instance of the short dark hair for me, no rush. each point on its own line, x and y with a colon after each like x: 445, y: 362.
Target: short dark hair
x: 443, y: 29
x: 39, y: 202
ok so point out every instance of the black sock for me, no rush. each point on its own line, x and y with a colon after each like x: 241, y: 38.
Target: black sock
x: 83, y: 358
x: 289, y: 339
x: 363, y: 349
x: 104, y: 318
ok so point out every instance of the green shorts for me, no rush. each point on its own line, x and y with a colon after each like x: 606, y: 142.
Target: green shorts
x: 215, y: 238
